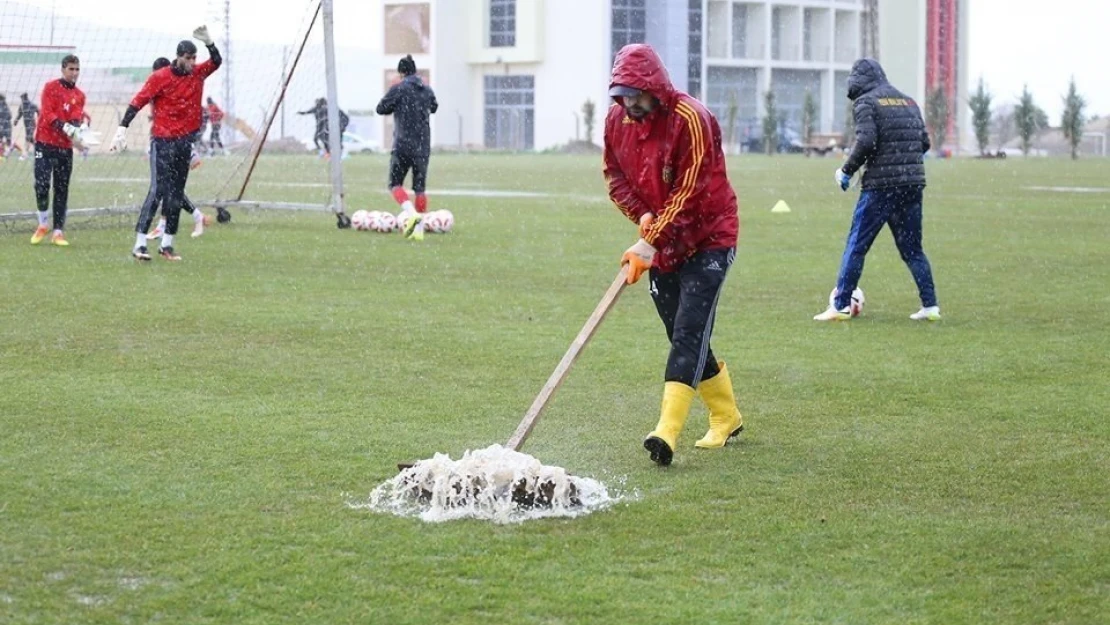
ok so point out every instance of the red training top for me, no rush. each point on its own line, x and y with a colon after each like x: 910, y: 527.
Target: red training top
x: 176, y: 98
x: 62, y: 103
x: 670, y: 163
x: 215, y: 114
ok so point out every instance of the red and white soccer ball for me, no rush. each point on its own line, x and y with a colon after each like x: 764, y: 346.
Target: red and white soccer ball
x: 386, y: 222
x: 856, y: 305
x: 447, y: 220
x: 360, y: 220
x: 432, y: 222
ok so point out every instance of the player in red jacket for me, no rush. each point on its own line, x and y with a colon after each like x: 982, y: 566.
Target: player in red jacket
x: 57, y: 133
x: 666, y: 173
x: 176, y: 92
x: 216, y: 118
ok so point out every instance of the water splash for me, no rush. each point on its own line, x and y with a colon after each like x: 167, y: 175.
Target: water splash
x: 493, y: 484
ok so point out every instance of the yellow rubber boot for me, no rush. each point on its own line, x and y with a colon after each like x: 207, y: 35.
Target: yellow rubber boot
x: 725, y: 421
x: 662, y: 441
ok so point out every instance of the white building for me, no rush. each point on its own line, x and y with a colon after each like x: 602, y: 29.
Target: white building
x: 514, y: 74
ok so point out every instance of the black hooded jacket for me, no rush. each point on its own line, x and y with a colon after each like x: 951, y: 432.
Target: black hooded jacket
x: 411, y: 102
x: 890, y: 134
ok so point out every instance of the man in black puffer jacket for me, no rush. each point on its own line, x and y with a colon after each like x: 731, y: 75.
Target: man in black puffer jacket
x: 890, y: 142
x: 411, y: 103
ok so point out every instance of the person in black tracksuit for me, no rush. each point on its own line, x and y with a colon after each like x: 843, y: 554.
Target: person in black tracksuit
x: 320, y: 112
x: 411, y: 103
x: 5, y: 127
x: 322, y: 136
x: 890, y: 142
x: 29, y: 113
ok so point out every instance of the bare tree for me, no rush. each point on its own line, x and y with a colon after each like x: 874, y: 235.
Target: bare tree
x: 588, y: 116
x: 809, y: 117
x: 731, y: 113
x: 770, y: 123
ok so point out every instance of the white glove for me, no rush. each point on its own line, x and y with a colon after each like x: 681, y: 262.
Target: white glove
x: 119, y: 142
x: 74, y: 134
x: 201, y: 34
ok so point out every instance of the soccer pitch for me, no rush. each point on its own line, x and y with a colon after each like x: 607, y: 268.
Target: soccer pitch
x: 178, y: 442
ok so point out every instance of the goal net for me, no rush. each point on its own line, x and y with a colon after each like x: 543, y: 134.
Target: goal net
x: 274, y: 68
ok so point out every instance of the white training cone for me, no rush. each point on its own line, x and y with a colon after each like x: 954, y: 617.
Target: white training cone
x: 781, y: 207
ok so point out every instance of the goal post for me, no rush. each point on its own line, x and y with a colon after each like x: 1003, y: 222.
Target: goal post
x: 272, y: 58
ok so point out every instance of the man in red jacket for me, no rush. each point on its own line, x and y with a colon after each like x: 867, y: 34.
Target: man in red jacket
x: 216, y: 118
x: 176, y: 93
x: 666, y: 173
x: 57, y: 132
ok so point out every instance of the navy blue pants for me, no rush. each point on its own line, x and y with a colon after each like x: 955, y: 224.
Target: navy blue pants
x: 169, y: 171
x: 56, y: 163
x: 899, y: 208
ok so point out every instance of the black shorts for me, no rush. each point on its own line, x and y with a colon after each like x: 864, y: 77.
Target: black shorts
x: 400, y: 164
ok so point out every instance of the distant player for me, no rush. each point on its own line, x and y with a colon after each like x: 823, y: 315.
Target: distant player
x: 216, y: 118
x: 154, y: 198
x: 411, y: 103
x: 5, y: 127
x: 176, y: 93
x: 890, y: 140
x: 29, y: 113
x: 58, y: 131
x: 320, y: 112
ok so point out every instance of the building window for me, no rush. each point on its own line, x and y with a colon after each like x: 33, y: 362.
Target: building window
x: 732, y: 94
x: 502, y: 23
x: 740, y: 32
x: 629, y: 23
x: 694, y: 41
x: 790, y: 86
x: 510, y: 112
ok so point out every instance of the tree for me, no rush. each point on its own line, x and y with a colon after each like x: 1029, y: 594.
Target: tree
x: 850, y: 125
x: 937, y: 115
x: 809, y: 117
x: 1004, y: 124
x: 770, y: 122
x: 731, y: 113
x: 1026, y: 119
x: 588, y: 112
x: 1073, y: 119
x: 980, y: 104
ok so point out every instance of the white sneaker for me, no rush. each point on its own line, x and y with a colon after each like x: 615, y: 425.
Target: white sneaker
x: 930, y: 313
x: 832, y: 314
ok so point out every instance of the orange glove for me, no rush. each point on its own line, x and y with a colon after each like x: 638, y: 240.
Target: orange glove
x: 645, y: 223
x: 638, y: 258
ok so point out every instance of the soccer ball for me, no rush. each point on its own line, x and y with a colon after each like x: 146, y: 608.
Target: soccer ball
x: 399, y: 222
x: 386, y: 223
x: 432, y: 222
x: 447, y: 219
x: 856, y: 305
x: 360, y: 220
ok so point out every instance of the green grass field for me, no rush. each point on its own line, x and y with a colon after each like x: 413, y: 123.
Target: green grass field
x: 178, y: 442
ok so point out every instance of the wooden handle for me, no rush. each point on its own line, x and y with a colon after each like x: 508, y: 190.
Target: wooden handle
x: 560, y: 373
